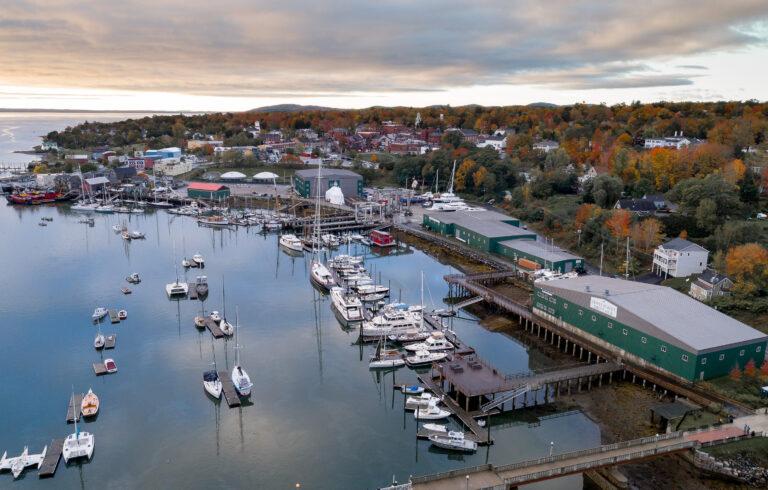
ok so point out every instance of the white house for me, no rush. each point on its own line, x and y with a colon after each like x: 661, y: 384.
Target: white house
x: 679, y: 258
x: 498, y: 143
x: 675, y: 141
x: 546, y: 145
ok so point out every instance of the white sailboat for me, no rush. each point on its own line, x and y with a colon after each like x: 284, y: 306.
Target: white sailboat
x: 226, y: 327
x: 319, y: 274
x: 176, y: 289
x: 448, y: 201
x: 385, y: 358
x: 98, y: 342
x: 240, y: 378
x: 211, y: 381
x: 78, y: 444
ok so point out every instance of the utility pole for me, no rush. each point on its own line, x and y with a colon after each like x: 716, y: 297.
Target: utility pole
x: 626, y: 270
x: 601, y: 259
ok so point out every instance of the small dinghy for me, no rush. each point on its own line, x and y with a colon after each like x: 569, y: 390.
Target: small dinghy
x: 110, y: 366
x: 215, y: 316
x: 412, y: 390
x: 90, y: 405
x: 122, y: 314
x: 133, y: 278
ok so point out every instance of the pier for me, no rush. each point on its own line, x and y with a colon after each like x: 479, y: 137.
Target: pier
x: 192, y: 290
x: 461, y: 348
x: 230, y: 394
x: 99, y: 368
x: 113, y: 316
x: 51, y: 460
x: 110, y: 340
x: 213, y: 327
x: 73, y: 412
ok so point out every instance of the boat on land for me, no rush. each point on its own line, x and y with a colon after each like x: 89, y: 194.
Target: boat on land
x: 291, y: 242
x: 240, y: 378
x: 79, y: 444
x: 347, y: 307
x: 99, y: 313
x: 90, y: 405
x: 453, y: 440
x: 19, y: 463
x: 431, y: 412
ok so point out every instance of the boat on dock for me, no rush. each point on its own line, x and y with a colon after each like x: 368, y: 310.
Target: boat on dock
x: 240, y: 378
x: 198, y: 259
x: 347, y: 307
x: 19, y: 463
x: 99, y: 313
x: 79, y: 444
x: 90, y: 405
x: 423, y: 357
x: 435, y: 342
x: 453, y: 440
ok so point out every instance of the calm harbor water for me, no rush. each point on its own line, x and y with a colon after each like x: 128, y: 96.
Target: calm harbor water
x: 317, y: 416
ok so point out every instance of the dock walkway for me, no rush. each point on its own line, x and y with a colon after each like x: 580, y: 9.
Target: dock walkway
x: 51, y: 460
x: 110, y: 341
x: 74, y: 411
x: 480, y: 435
x: 233, y: 399
x: 192, y: 290
x: 113, y: 316
x: 213, y: 327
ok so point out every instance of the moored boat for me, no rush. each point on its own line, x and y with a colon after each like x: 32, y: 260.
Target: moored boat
x: 90, y: 405
x: 453, y: 440
x: 347, y: 307
x: 99, y: 313
x: 422, y: 357
x: 430, y: 412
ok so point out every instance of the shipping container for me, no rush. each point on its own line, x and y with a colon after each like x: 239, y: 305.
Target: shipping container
x: 528, y: 264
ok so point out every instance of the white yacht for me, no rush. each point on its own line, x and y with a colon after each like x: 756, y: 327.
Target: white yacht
x: 99, y: 313
x: 105, y: 208
x: 448, y: 201
x: 199, y: 260
x: 347, y: 307
x: 78, y: 444
x: 392, y: 320
x: 430, y: 412
x: 177, y: 289
x: 422, y: 357
x: 240, y: 378
x: 291, y: 242
x: 371, y: 292
x: 320, y: 276
x: 423, y: 400
x: 453, y: 440
x: 435, y: 342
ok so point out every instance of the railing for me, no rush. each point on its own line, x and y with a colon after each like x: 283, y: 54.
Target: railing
x: 505, y: 398
x: 730, y: 439
x: 452, y: 473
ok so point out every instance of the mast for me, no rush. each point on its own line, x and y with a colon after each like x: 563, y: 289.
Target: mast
x: 453, y: 172
x: 223, y: 298
x: 421, y: 327
x: 74, y: 414
x: 317, y: 213
x: 237, y: 345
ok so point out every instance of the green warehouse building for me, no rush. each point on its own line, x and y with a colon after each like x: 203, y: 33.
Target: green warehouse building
x: 500, y: 234
x: 306, y: 182
x: 651, y: 326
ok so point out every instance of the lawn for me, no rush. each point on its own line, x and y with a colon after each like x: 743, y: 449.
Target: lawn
x: 756, y: 449
x: 745, y: 389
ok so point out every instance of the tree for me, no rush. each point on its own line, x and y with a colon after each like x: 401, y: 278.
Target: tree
x: 477, y: 177
x: 648, y: 233
x: 706, y: 215
x: 749, y: 369
x: 452, y: 138
x: 584, y: 214
x: 619, y: 223
x: 747, y: 265
x: 42, y: 169
x: 735, y: 373
x: 606, y: 190
x: 764, y: 369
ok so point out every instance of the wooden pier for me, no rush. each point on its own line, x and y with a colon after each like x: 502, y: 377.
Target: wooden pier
x: 99, y: 368
x: 214, y: 328
x: 192, y: 290
x: 461, y: 349
x: 230, y: 394
x: 113, y: 316
x: 51, y: 460
x: 481, y: 435
x: 74, y: 412
x: 110, y: 340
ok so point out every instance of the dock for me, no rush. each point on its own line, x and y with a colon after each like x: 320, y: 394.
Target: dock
x: 125, y: 290
x: 99, y: 368
x: 480, y: 435
x: 461, y: 349
x: 214, y: 328
x: 51, y: 460
x: 109, y: 341
x: 192, y: 290
x: 233, y: 399
x: 73, y: 412
x: 426, y: 433
x: 113, y: 316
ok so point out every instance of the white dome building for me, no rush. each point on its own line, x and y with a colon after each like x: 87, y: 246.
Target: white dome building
x: 232, y: 176
x: 334, y: 195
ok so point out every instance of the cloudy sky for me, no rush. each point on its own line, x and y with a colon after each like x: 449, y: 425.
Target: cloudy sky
x: 239, y: 54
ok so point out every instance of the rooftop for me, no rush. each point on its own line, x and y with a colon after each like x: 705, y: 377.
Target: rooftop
x: 486, y: 222
x: 683, y: 245
x: 659, y: 311
x: 201, y: 186
x: 326, y: 173
x: 541, y: 249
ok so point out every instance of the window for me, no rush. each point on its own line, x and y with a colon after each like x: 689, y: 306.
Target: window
x: 741, y: 352
x: 610, y: 325
x: 759, y: 347
x: 703, y: 360
x: 624, y: 331
x: 722, y: 356
x: 685, y: 358
x: 643, y: 340
x: 663, y: 348
x: 581, y: 312
x: 594, y: 318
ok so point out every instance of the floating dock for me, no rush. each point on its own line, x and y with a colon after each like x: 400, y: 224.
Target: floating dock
x: 109, y: 341
x: 192, y: 290
x: 74, y: 412
x: 125, y: 290
x: 99, y: 368
x: 214, y: 328
x: 461, y: 349
x: 113, y: 316
x: 51, y: 460
x: 233, y: 399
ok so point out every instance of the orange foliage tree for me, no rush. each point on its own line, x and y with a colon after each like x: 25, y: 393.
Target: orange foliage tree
x: 618, y: 224
x: 749, y: 369
x: 648, y: 233
x: 748, y: 267
x: 585, y: 213
x: 735, y: 373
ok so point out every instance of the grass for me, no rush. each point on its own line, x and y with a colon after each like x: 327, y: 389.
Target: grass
x: 682, y: 284
x: 702, y: 418
x: 745, y: 389
x: 756, y: 449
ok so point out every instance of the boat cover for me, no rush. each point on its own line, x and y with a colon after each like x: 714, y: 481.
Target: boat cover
x: 210, y: 376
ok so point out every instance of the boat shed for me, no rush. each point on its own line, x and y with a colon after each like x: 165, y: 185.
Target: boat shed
x: 546, y: 254
x: 656, y: 327
x: 306, y: 182
x: 200, y: 190
x: 481, y: 229
x: 95, y: 184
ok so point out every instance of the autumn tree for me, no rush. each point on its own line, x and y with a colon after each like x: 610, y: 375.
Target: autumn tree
x: 648, y: 233
x: 749, y: 369
x: 585, y: 213
x: 477, y: 177
x: 747, y: 265
x: 460, y: 180
x: 735, y: 373
x: 618, y: 224
x: 764, y: 369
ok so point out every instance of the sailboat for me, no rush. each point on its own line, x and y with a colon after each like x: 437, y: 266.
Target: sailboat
x: 78, y: 444
x: 90, y: 405
x: 98, y: 342
x: 85, y: 203
x: 17, y: 464
x: 385, y: 358
x: 224, y: 325
x: 319, y: 274
x: 211, y: 381
x: 240, y: 378
x: 177, y: 288
x: 448, y: 201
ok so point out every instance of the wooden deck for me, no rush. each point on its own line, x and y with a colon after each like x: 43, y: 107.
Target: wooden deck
x: 214, y: 328
x: 192, y: 290
x: 110, y: 340
x: 230, y: 394
x: 99, y: 368
x: 74, y: 412
x: 462, y: 349
x: 51, y: 460
x: 113, y: 316
x: 481, y: 434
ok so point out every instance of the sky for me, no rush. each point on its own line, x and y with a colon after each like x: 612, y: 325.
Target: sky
x: 234, y: 55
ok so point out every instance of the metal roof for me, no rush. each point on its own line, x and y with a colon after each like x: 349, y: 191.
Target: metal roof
x: 326, y: 173
x: 683, y: 245
x: 659, y: 311
x: 485, y: 222
x: 201, y: 186
x: 543, y: 250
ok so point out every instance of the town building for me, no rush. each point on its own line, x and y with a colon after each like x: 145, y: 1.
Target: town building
x: 710, y: 284
x: 200, y: 190
x: 95, y: 184
x: 640, y: 207
x: 679, y: 258
x: 546, y: 145
x: 498, y: 143
x: 140, y: 163
x: 172, y: 152
x: 676, y: 142
x: 655, y: 327
x: 306, y: 182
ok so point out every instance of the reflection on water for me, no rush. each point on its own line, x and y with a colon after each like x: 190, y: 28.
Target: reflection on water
x: 317, y: 415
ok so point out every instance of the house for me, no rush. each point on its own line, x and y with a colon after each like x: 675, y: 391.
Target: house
x: 49, y: 145
x: 546, y: 146
x: 466, y: 134
x: 679, y: 258
x: 95, y: 184
x: 498, y: 143
x: 658, y: 200
x: 77, y: 158
x: 640, y: 207
x: 590, y: 174
x: 710, y: 285
x: 676, y: 142
x: 124, y: 174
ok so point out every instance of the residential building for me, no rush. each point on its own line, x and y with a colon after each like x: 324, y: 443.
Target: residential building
x: 710, y: 284
x: 654, y: 327
x: 306, y: 182
x: 49, y: 145
x: 679, y: 258
x: 676, y: 142
x: 546, y: 145
x: 498, y: 143
x: 640, y: 207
